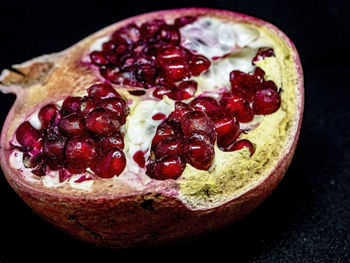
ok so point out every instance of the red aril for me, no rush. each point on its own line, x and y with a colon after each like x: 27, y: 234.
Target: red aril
x: 102, y: 91
x: 116, y: 106
x: 102, y: 123
x: 239, y: 145
x: 198, y: 151
x: 174, y: 70
x: 227, y: 129
x: 184, y: 90
x: 54, y: 151
x: 199, y: 64
x: 266, y: 101
x: 198, y: 122
x: 107, y: 143
x: 71, y: 105
x: 112, y: 164
x: 164, y: 130
x: 80, y: 154
x: 161, y: 91
x: 171, y: 145
x: 46, y: 115
x: 98, y: 58
x: 237, y: 107
x: 181, y: 108
x: 29, y: 137
x: 170, y: 167
x: 72, y: 125
x: 207, y: 104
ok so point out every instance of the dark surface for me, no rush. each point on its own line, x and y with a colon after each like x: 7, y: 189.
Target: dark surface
x: 307, y: 219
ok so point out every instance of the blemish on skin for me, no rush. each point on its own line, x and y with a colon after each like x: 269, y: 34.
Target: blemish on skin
x: 147, y: 205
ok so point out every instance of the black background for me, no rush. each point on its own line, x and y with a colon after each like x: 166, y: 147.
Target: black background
x: 307, y: 219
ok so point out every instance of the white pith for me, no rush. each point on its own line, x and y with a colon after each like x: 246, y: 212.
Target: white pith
x: 140, y: 128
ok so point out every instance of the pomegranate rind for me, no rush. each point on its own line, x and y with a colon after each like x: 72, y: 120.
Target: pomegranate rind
x: 118, y: 215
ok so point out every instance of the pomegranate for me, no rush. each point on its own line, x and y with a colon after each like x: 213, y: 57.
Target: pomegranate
x: 158, y: 128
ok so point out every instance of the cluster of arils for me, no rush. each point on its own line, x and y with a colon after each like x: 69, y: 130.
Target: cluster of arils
x: 151, y: 56
x: 250, y: 95
x: 84, y: 133
x: 190, y: 131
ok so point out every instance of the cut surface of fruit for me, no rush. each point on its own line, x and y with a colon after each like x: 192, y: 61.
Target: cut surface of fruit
x: 184, y: 118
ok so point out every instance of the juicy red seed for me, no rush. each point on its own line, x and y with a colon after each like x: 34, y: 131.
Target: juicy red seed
x: 54, y: 150
x: 28, y: 136
x: 198, y: 151
x: 184, y: 20
x: 199, y: 64
x: 116, y: 106
x: 46, y: 115
x: 198, y: 121
x: 71, y: 105
x: 127, y: 35
x: 107, y: 143
x: 88, y: 104
x: 102, y: 123
x: 227, y: 129
x: 181, y: 108
x: 207, y: 104
x: 80, y: 154
x: 237, y: 76
x: 263, y: 53
x: 175, y: 69
x: 114, y: 75
x: 239, y: 145
x: 161, y: 91
x: 184, y: 90
x: 97, y: 58
x: 266, y: 101
x: 148, y: 29
x: 171, y: 52
x: 269, y: 84
x: 72, y: 125
x: 139, y: 158
x: 158, y: 116
x: 113, y: 163
x: 102, y: 91
x: 109, y: 47
x: 170, y: 33
x: 170, y: 167
x: 171, y: 145
x: 164, y: 130
x: 147, y: 73
x: 259, y: 73
x: 246, y: 85
x: 237, y: 107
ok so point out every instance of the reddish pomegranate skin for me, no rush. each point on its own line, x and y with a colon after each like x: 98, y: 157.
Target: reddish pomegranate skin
x: 96, y: 218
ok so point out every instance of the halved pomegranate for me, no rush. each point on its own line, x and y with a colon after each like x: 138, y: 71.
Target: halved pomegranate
x: 175, y: 122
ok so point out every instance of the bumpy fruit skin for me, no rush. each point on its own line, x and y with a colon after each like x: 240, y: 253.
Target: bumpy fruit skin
x: 121, y: 216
